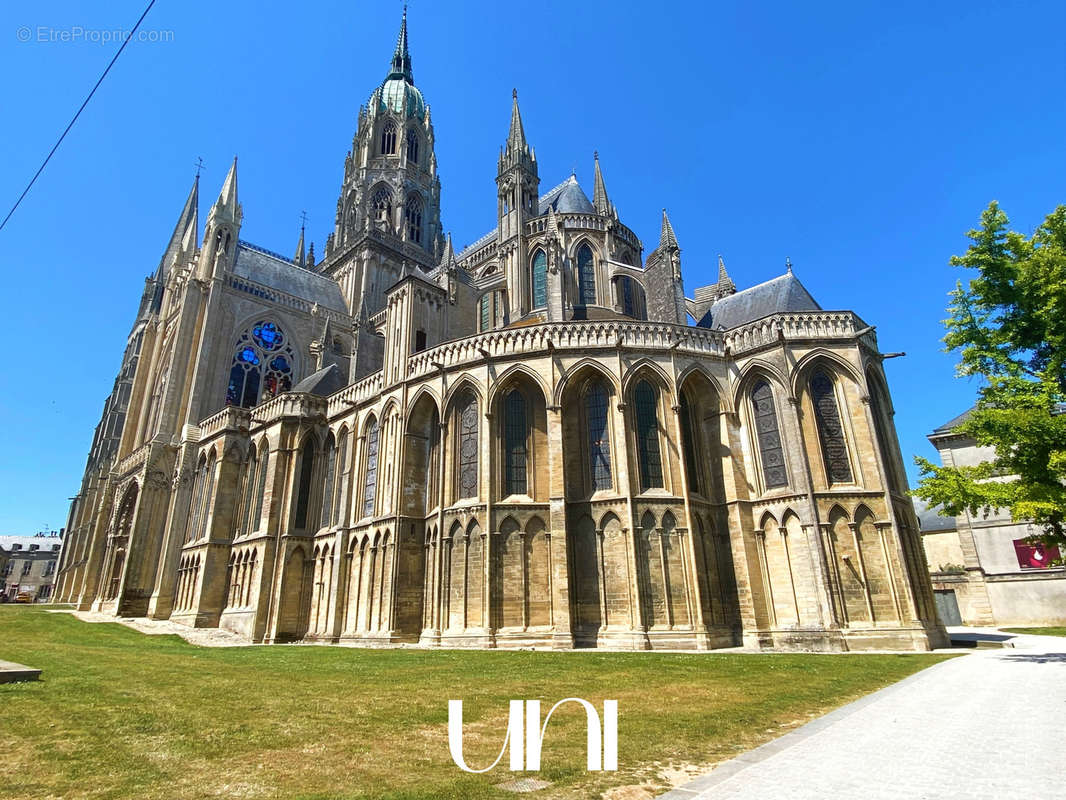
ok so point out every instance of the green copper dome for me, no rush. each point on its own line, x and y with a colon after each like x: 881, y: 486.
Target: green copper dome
x: 400, y: 97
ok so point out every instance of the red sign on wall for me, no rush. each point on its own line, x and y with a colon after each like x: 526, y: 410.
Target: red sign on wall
x: 1035, y: 555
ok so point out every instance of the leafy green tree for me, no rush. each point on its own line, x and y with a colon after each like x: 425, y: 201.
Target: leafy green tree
x: 1009, y: 328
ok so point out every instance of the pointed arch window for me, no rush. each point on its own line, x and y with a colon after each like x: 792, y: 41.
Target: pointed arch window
x: 599, y: 436
x: 830, y: 429
x: 468, y: 447
x: 690, y: 443
x: 370, y: 483
x: 260, y: 489
x: 303, y: 494
x: 262, y: 366
x: 586, y: 276
x: 516, y: 433
x: 539, y: 280
x: 485, y: 310
x: 771, y: 453
x: 381, y: 206
x: 328, y: 488
x: 388, y: 139
x: 413, y: 216
x: 412, y: 146
x: 646, y: 400
x: 247, y: 493
x: 628, y: 308
x: 342, y: 465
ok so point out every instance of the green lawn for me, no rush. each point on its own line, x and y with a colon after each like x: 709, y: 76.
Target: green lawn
x: 118, y: 714
x: 1051, y: 631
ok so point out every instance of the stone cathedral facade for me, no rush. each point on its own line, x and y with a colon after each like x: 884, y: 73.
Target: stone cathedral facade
x: 523, y: 443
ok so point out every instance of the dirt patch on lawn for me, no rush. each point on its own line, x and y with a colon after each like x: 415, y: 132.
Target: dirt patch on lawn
x: 205, y: 637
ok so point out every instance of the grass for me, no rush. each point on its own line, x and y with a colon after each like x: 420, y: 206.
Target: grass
x: 119, y: 714
x: 1049, y: 631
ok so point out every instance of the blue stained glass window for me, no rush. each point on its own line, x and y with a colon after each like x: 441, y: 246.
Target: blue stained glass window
x: 540, y: 280
x: 247, y: 374
x: 586, y: 278
x: 599, y: 438
x: 515, y: 435
x: 267, y: 335
x: 646, y: 399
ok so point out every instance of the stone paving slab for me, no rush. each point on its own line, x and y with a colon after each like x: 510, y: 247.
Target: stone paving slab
x: 10, y: 672
x: 986, y: 725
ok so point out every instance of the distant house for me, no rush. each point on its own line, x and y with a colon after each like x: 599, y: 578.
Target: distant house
x: 28, y: 564
x: 984, y: 569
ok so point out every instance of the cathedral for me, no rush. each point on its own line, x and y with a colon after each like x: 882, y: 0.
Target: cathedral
x: 535, y: 441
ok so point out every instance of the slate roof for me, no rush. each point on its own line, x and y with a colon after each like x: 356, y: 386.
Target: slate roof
x: 568, y: 196
x: 780, y: 294
x: 274, y: 270
x: 323, y: 383
x: 952, y: 424
x: 929, y: 519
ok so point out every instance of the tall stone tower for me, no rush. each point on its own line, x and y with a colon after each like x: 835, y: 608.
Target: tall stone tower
x: 517, y: 189
x: 388, y: 212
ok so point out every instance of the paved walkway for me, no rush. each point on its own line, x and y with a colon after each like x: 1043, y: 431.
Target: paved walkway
x: 986, y: 725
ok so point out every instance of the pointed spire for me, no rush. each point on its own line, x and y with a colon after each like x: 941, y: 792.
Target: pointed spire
x: 187, y: 221
x: 667, y: 239
x: 599, y: 191
x: 400, y: 67
x: 516, y: 136
x: 723, y: 276
x: 300, y: 256
x: 227, y: 198
x: 310, y: 263
x: 448, y: 256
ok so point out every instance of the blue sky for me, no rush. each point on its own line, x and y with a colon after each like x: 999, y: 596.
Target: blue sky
x: 861, y: 140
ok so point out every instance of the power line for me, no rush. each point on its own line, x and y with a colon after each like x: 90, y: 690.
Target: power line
x: 63, y: 135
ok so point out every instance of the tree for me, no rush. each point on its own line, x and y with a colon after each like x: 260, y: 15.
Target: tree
x: 1009, y: 327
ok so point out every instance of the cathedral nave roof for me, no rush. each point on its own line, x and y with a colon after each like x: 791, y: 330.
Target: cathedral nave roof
x: 273, y: 270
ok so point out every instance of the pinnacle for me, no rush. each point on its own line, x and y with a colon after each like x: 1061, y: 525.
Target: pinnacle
x: 516, y: 136
x: 599, y: 192
x: 667, y: 239
x: 400, y: 67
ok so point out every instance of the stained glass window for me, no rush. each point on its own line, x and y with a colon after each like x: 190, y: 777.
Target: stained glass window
x: 248, y: 494
x: 486, y: 311
x: 830, y: 430
x: 515, y: 434
x: 468, y: 447
x: 261, y: 367
x: 303, y: 495
x: 769, y: 436
x: 627, y: 297
x: 539, y: 283
x: 646, y: 399
x: 690, y: 444
x: 586, y: 278
x: 599, y: 437
x: 370, y: 485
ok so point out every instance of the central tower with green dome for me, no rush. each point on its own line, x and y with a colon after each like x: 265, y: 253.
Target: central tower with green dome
x: 388, y: 212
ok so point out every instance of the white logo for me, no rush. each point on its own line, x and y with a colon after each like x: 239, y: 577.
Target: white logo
x: 530, y: 731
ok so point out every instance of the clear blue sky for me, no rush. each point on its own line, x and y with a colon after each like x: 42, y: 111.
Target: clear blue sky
x: 862, y: 140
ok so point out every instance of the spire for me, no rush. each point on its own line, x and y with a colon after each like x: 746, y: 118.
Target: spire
x: 725, y: 285
x: 300, y: 256
x: 448, y: 256
x: 188, y: 220
x: 227, y: 198
x: 599, y: 191
x: 516, y: 136
x: 553, y: 225
x: 400, y: 67
x: 723, y: 276
x: 667, y: 239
